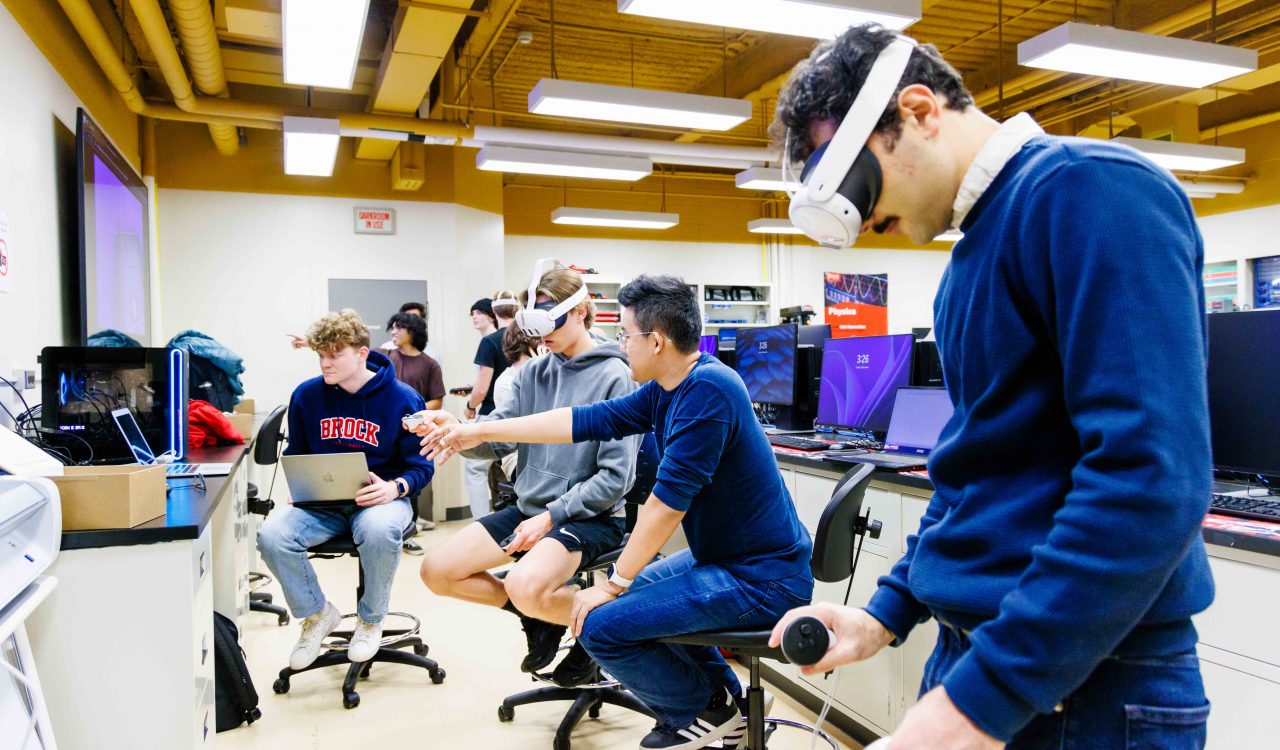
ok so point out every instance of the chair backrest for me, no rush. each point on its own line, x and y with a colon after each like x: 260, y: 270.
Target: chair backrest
x: 266, y: 447
x: 838, y: 526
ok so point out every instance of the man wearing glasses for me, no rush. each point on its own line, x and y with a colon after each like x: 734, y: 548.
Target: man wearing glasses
x: 748, y: 556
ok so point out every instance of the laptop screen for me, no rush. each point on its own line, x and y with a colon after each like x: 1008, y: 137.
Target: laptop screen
x: 133, y: 436
x: 919, y: 414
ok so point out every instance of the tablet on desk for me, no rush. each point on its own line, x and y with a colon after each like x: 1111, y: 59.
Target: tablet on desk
x: 321, y: 479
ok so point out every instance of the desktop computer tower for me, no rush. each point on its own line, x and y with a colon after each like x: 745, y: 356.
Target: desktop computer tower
x: 83, y: 385
x: 804, y: 410
x: 927, y: 365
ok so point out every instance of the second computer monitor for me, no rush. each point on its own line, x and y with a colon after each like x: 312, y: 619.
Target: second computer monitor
x: 766, y: 361
x: 860, y: 378
x: 709, y: 344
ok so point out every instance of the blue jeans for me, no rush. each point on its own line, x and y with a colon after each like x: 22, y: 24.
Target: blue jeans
x: 378, y: 532
x: 676, y: 596
x: 1128, y: 703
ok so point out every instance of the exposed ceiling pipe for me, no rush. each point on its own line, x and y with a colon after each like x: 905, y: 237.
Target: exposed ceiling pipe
x: 194, y: 21
x: 666, y: 152
x: 493, y: 40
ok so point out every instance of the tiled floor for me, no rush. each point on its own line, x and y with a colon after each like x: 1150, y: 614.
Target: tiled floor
x: 479, y: 647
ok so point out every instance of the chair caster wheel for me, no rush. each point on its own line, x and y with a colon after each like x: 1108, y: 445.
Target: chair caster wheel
x: 350, y: 700
x: 364, y: 673
x: 437, y: 676
x: 280, y: 686
x: 421, y: 650
x: 594, y: 711
x: 506, y: 714
x: 282, y: 620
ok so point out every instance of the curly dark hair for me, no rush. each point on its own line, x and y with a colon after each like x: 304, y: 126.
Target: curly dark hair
x: 824, y: 86
x: 416, y: 326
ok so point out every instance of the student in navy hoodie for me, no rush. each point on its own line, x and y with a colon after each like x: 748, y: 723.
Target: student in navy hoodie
x: 1061, y: 551
x: 355, y: 405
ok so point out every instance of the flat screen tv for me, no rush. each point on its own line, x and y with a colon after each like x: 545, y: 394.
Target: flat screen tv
x: 114, y: 288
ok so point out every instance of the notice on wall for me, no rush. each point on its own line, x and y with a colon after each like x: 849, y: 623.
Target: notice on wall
x: 856, y: 304
x: 6, y: 256
x: 375, y: 220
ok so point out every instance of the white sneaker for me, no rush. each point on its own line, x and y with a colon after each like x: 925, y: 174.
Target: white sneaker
x: 314, y: 629
x: 365, y: 642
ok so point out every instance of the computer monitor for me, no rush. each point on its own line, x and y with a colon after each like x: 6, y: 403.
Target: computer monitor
x: 1244, y: 403
x: 709, y: 344
x: 767, y: 363
x: 860, y: 377
x: 919, y: 414
x: 728, y: 338
x: 813, y: 335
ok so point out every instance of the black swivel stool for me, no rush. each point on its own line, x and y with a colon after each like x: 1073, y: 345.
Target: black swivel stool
x: 266, y: 451
x: 588, y: 698
x: 833, y: 560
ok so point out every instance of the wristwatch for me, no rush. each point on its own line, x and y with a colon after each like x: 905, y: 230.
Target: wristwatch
x: 403, y: 485
x: 617, y: 580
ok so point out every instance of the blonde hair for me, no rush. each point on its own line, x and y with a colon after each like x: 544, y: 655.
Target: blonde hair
x: 559, y: 284
x: 337, y: 331
x: 507, y: 312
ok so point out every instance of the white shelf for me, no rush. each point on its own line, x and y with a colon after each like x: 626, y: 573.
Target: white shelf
x: 738, y: 325
x: 599, y: 324
x: 610, y: 301
x: 735, y: 302
x: 1219, y: 283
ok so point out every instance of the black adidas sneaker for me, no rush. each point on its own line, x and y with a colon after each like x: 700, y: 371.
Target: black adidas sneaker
x: 720, y: 717
x: 737, y: 737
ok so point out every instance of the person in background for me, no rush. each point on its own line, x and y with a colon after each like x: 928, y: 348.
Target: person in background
x: 420, y: 372
x: 490, y: 363
x: 1061, y: 552
x: 420, y: 310
x: 356, y: 404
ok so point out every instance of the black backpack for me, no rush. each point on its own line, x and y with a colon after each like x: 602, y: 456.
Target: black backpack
x: 237, y: 701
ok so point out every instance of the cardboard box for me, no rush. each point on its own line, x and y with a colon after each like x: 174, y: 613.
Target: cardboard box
x: 243, y: 423
x: 110, y: 497
x: 246, y: 406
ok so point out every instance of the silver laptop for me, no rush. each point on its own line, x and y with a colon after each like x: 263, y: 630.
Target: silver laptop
x: 919, y: 414
x: 143, y: 454
x: 325, y: 478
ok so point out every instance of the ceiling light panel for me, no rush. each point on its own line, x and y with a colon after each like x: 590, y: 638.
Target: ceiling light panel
x: 310, y: 145
x: 602, y: 217
x: 1132, y: 55
x: 563, y: 163
x: 763, y: 178
x: 1185, y: 157
x: 322, y: 41
x: 595, y: 101
x: 773, y: 226
x: 820, y: 19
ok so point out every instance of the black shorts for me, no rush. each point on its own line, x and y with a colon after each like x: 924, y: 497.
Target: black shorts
x: 592, y: 537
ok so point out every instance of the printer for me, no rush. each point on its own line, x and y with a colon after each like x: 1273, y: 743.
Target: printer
x: 30, y: 532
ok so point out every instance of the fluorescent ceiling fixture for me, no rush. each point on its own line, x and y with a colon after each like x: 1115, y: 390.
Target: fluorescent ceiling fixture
x: 596, y: 101
x: 310, y: 145
x: 563, y: 163
x: 1210, y: 189
x: 951, y: 235
x: 322, y: 41
x: 820, y: 19
x: 1133, y: 55
x: 763, y: 178
x: 1185, y: 157
x: 603, y: 217
x: 773, y: 226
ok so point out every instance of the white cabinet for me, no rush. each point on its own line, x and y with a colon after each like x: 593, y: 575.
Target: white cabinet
x: 737, y: 305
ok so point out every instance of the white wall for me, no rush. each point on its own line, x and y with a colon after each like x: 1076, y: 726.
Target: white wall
x: 39, y: 108
x: 246, y: 269
x: 796, y: 271
x: 1240, y: 236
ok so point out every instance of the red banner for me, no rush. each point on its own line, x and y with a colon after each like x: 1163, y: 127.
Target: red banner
x: 856, y: 304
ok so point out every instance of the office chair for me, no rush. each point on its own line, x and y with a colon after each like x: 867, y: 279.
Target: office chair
x: 839, y: 528
x: 588, y: 698
x: 267, y: 451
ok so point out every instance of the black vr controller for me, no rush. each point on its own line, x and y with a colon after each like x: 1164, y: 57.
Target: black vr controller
x: 806, y: 640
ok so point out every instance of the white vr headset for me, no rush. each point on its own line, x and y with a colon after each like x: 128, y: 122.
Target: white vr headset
x: 841, y: 180
x: 541, y: 318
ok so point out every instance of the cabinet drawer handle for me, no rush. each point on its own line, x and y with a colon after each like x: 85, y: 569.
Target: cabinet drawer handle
x: 202, y: 554
x: 205, y: 736
x: 204, y: 648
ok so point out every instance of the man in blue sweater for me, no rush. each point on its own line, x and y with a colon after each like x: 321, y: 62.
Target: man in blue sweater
x: 748, y: 556
x: 355, y: 405
x: 1061, y: 551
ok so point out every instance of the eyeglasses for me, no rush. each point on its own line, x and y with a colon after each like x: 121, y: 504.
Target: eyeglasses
x: 621, y: 338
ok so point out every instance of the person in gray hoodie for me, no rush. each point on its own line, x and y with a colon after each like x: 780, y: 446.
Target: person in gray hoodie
x: 570, y: 507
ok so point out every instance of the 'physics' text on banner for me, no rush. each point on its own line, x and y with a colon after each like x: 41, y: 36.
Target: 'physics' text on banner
x: 856, y: 304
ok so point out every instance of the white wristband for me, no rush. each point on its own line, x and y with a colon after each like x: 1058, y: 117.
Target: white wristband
x: 619, y: 581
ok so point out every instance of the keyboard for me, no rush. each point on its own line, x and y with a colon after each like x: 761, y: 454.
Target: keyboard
x: 1261, y: 508
x: 799, y: 443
